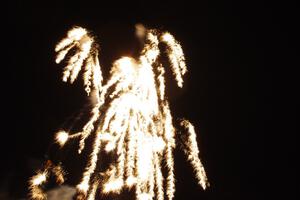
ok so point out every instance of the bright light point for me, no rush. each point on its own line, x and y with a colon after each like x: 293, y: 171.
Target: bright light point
x: 130, y: 181
x: 110, y: 146
x: 158, y: 144
x: 83, y: 187
x: 61, y: 137
x: 77, y: 33
x: 39, y: 178
x: 125, y: 66
x: 114, y: 185
x: 126, y: 61
x: 167, y: 37
x: 144, y: 196
x: 106, y: 137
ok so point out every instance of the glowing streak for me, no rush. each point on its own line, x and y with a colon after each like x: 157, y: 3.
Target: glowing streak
x: 176, y: 57
x: 161, y: 82
x: 158, y: 178
x: 92, y: 193
x: 130, y: 119
x: 84, y: 185
x: 130, y: 158
x: 192, y: 152
x: 62, y: 54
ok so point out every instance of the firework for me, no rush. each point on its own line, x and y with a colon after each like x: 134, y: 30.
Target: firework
x: 130, y: 119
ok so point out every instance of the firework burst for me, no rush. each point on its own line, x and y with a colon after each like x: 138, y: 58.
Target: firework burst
x: 130, y: 119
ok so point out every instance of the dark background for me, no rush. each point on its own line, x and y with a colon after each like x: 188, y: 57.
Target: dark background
x: 231, y: 50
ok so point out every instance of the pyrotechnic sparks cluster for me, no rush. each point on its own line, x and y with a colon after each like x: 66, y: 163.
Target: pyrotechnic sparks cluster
x: 130, y: 120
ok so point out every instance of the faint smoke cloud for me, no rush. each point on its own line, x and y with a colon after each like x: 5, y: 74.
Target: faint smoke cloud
x: 61, y: 193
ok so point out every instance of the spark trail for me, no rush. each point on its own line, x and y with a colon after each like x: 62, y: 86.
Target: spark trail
x: 130, y: 119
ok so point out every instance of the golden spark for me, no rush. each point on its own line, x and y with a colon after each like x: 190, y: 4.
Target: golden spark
x: 130, y: 119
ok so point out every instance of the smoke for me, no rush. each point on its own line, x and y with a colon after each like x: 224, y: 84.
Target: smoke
x: 61, y: 193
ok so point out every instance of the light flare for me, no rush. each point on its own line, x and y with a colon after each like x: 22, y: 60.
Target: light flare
x: 61, y: 137
x: 39, y: 179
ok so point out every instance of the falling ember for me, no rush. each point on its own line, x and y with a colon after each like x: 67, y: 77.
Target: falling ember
x: 61, y: 137
x: 130, y: 120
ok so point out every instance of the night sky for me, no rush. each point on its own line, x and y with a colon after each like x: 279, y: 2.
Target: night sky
x: 229, y: 48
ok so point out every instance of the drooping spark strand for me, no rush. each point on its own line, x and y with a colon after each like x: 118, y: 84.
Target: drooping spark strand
x: 85, y: 57
x: 130, y: 119
x: 193, y: 154
x: 176, y: 57
x: 93, y: 191
x: 158, y: 177
x: 84, y: 184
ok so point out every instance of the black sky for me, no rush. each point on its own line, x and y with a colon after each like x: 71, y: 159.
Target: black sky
x: 230, y: 49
